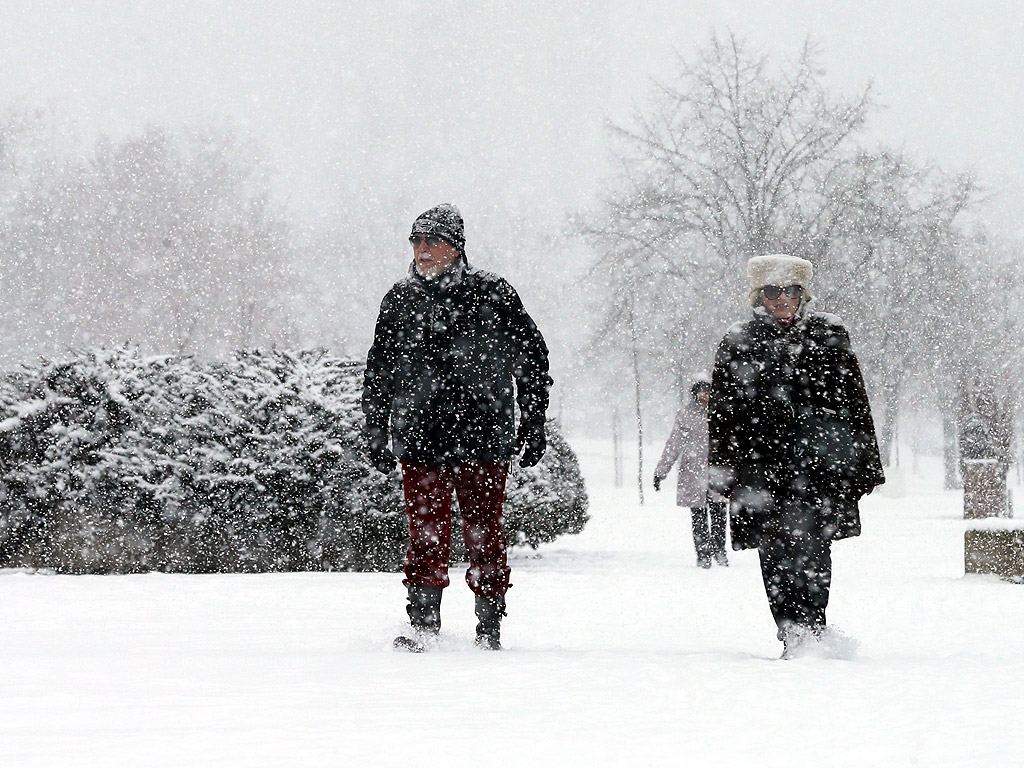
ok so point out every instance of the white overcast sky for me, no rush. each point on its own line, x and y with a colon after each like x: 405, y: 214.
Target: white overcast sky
x: 473, y: 100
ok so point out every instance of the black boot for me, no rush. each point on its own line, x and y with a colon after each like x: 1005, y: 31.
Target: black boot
x: 424, y: 611
x: 797, y: 640
x: 489, y: 611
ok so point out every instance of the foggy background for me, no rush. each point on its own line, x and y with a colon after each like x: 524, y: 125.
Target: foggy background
x: 230, y: 174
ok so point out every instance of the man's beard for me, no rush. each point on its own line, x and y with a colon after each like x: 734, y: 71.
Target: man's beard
x: 431, y: 273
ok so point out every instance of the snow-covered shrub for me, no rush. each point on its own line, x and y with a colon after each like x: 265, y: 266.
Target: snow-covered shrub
x: 541, y: 502
x: 546, y: 501
x: 112, y: 462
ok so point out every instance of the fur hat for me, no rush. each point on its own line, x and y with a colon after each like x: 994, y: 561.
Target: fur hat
x: 443, y: 220
x: 781, y: 270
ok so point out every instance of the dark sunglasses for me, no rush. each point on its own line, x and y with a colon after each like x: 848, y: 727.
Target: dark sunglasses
x: 432, y: 241
x: 773, y: 292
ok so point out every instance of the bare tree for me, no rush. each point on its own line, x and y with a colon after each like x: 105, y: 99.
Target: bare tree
x: 887, y: 265
x: 734, y: 157
x: 739, y: 156
x: 165, y: 239
x: 738, y: 152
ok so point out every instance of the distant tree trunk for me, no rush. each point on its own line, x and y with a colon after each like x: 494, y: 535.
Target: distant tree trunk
x: 950, y: 443
x: 1020, y: 453
x: 887, y: 433
x: 639, y: 415
x: 617, y: 447
x: 950, y: 454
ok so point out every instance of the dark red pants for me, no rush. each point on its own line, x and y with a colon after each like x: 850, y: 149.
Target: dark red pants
x: 428, y: 505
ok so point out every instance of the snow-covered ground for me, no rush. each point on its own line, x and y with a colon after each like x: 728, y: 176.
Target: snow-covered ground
x: 619, y: 651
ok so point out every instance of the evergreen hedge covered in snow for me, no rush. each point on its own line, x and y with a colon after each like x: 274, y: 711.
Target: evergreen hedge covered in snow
x: 114, y: 462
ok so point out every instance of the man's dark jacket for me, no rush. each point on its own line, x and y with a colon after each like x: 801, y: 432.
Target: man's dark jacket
x: 449, y: 360
x: 772, y: 388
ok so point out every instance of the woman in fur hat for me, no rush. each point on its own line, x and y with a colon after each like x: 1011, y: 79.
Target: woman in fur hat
x: 791, y: 442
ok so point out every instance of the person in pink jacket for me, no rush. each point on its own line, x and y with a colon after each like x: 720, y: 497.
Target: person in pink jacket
x: 688, y: 445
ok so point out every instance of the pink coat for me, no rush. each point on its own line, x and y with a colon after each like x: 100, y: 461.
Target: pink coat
x: 688, y: 445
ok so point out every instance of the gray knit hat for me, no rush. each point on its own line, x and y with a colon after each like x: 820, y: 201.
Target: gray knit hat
x: 443, y: 220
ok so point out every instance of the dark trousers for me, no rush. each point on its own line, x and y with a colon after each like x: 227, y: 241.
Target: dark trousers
x: 708, y: 539
x: 428, y: 505
x: 796, y: 565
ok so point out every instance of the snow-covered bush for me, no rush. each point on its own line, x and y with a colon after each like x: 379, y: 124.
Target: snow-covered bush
x: 112, y: 462
x: 546, y: 501
x: 542, y: 502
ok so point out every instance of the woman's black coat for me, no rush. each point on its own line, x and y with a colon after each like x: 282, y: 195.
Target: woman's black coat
x: 772, y: 390
x: 449, y: 361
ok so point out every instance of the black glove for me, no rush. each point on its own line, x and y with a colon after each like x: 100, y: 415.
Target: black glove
x: 383, y: 460
x: 531, y: 438
x: 381, y: 457
x: 657, y: 482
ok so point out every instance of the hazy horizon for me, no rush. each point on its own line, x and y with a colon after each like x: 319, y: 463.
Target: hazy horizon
x: 490, y: 105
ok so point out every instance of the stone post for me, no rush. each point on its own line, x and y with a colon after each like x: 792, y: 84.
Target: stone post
x: 985, y: 424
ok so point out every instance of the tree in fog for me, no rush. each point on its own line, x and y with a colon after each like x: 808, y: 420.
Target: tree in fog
x: 981, y: 362
x: 887, y: 270
x: 737, y: 156
x: 166, y: 239
x: 734, y: 157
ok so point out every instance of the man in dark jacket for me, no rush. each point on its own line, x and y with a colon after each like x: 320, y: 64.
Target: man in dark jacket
x: 453, y: 353
x: 791, y: 442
